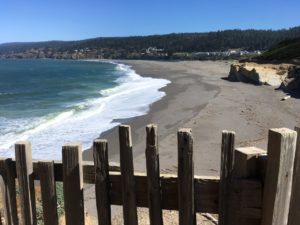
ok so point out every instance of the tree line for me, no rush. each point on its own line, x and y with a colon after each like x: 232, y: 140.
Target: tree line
x: 176, y: 42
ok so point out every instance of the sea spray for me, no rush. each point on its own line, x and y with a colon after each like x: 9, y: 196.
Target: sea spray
x: 85, y: 120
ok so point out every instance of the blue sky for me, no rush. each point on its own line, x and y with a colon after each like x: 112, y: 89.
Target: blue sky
x: 40, y: 20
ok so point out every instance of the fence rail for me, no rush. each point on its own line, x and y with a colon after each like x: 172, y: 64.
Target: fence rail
x: 253, y: 187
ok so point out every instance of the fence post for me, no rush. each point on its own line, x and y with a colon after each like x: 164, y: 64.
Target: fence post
x: 294, y: 214
x: 127, y: 176
x: 153, y: 176
x: 186, y: 205
x: 48, y: 190
x: 8, y: 189
x: 73, y: 184
x: 278, y: 178
x: 246, y: 167
x: 100, y: 149
x: 226, y: 169
x: 24, y: 170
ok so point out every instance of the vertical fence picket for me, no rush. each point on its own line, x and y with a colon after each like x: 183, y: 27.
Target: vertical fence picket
x: 186, y: 205
x: 8, y: 189
x: 240, y: 184
x: 226, y: 170
x: 279, y: 174
x: 153, y: 176
x: 4, y: 209
x: 48, y: 190
x: 294, y: 214
x: 73, y: 184
x: 24, y: 170
x: 100, y: 149
x: 127, y: 178
x: 246, y: 166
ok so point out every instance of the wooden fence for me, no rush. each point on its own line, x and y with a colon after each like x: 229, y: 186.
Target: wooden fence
x: 253, y: 188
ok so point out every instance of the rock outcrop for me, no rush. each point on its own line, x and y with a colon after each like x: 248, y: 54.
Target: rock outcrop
x: 259, y: 74
x: 292, y: 80
x: 283, y: 76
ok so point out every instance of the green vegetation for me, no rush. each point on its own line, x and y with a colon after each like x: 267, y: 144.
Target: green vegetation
x: 285, y: 50
x: 166, y: 46
x: 60, y: 199
x: 60, y: 204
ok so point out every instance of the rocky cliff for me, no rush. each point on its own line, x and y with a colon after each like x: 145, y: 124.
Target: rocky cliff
x: 285, y: 76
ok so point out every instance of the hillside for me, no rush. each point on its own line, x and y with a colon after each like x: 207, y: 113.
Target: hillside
x: 165, y: 45
x: 285, y: 50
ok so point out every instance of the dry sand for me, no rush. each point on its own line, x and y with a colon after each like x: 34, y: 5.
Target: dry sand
x: 200, y: 99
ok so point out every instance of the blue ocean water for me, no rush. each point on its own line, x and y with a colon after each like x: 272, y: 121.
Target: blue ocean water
x: 51, y: 102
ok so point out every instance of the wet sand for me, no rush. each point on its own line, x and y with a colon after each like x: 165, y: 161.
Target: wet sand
x: 200, y: 99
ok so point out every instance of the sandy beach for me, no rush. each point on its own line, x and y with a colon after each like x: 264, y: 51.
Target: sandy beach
x: 199, y: 98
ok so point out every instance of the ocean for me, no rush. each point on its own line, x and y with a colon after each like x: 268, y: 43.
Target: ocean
x: 52, y: 102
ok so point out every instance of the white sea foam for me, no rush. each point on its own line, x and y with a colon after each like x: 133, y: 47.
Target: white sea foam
x: 131, y: 98
x: 4, y: 93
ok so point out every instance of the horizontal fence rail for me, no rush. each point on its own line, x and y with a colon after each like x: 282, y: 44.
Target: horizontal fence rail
x: 87, y: 167
x: 244, y: 193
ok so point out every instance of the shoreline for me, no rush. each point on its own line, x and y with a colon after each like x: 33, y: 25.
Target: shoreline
x: 199, y: 98
x: 184, y: 83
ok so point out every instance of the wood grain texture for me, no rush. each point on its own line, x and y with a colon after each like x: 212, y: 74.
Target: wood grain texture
x: 88, y: 170
x: 226, y: 171
x: 294, y: 213
x: 127, y: 178
x: 100, y: 150
x: 186, y: 205
x: 73, y: 184
x: 26, y: 183
x: 206, y: 192
x: 246, y: 166
x: 279, y: 175
x: 152, y: 164
x: 8, y: 189
x: 246, y: 163
x: 48, y: 191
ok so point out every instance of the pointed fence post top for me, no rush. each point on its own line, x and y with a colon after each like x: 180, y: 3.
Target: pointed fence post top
x: 151, y: 134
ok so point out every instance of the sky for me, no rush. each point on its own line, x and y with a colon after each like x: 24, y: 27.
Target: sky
x: 42, y: 20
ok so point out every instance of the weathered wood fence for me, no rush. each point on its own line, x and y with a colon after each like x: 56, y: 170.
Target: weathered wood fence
x: 253, y: 188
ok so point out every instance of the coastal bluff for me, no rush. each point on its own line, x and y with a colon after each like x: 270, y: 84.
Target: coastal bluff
x: 284, y: 76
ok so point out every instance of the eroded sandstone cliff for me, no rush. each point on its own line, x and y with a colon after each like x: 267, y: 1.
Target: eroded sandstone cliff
x: 285, y: 76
